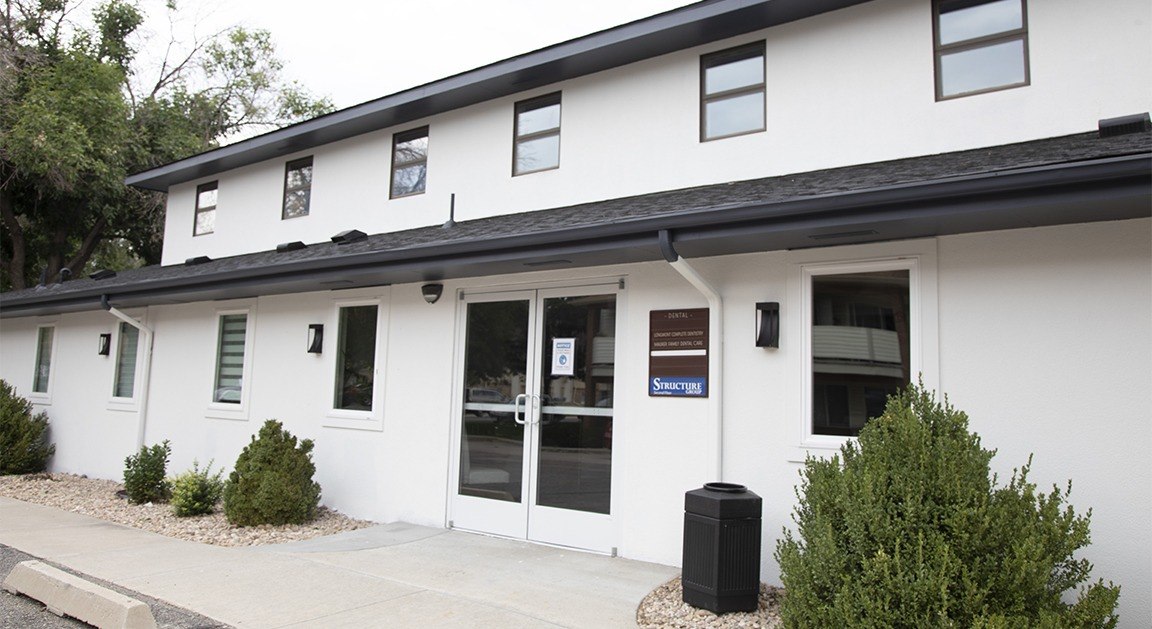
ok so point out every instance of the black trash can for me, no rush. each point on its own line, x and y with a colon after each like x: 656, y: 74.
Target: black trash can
x: 721, y: 567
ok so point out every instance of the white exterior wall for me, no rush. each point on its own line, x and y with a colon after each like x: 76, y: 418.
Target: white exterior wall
x: 854, y: 86
x: 1043, y: 336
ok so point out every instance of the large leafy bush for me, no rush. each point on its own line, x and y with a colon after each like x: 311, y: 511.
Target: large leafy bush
x: 144, y: 474
x: 24, y: 447
x: 272, y: 480
x: 908, y: 528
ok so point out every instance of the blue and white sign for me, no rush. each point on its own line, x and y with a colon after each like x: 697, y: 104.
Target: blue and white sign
x: 678, y: 387
x: 563, y: 357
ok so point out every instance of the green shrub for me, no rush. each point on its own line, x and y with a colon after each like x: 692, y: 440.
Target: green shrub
x: 144, y: 474
x: 909, y: 529
x: 24, y: 447
x: 196, y: 491
x: 272, y: 480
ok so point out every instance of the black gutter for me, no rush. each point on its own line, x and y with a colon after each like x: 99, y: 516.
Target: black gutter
x: 1128, y: 177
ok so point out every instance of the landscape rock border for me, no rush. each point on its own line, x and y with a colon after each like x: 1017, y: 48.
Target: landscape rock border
x: 664, y: 608
x: 98, y: 498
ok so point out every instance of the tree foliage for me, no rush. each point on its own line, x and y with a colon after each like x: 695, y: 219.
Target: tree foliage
x: 78, y: 113
x: 909, y: 529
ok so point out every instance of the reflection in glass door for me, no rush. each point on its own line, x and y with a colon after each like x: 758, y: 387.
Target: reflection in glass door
x: 535, y: 450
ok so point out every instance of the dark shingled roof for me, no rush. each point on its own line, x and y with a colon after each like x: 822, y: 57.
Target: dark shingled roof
x: 1076, y: 178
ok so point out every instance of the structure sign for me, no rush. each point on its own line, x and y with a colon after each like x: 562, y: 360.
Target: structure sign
x: 678, y: 353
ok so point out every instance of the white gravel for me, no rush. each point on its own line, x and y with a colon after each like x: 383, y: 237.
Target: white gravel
x: 98, y: 498
x: 664, y: 608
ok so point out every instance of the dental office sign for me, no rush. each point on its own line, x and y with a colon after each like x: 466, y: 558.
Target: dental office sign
x: 678, y: 353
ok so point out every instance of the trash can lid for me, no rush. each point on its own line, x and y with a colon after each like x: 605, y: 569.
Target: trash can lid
x: 723, y: 501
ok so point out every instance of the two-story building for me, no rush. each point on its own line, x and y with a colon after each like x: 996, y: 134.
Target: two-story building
x: 544, y: 298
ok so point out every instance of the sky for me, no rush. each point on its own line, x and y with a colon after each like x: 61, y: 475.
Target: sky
x: 355, y: 51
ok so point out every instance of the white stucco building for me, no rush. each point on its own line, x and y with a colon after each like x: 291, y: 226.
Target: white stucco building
x: 957, y: 190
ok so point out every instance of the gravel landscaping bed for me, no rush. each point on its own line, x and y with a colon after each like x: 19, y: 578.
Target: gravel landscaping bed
x: 664, y: 608
x: 98, y: 498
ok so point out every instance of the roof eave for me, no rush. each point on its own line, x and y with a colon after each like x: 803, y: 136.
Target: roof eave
x: 1114, y: 188
x: 689, y: 26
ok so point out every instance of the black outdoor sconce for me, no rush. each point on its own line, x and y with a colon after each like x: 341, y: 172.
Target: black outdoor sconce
x: 315, y: 338
x: 768, y: 324
x: 105, y: 346
x: 432, y: 292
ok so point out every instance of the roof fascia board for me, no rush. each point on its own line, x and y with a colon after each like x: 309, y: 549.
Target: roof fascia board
x: 661, y: 34
x: 1102, y: 178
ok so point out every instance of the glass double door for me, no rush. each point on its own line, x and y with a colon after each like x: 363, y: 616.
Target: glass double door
x: 535, y: 432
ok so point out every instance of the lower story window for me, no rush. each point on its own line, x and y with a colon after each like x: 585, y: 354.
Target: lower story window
x: 43, y: 359
x: 126, y: 361
x: 860, y: 346
x: 356, y: 358
x: 230, y: 359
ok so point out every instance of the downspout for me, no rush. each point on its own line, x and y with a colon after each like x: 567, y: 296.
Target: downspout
x: 715, y: 346
x: 146, y: 375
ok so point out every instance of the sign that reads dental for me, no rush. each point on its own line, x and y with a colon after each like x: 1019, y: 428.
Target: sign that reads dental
x: 678, y: 353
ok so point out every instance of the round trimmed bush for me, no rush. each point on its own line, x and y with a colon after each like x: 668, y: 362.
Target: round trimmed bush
x: 196, y: 491
x: 272, y: 480
x: 908, y: 528
x: 24, y: 447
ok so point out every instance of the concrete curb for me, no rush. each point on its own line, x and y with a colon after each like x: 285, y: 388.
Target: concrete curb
x: 68, y: 595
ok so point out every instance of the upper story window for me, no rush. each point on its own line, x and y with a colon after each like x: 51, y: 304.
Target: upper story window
x: 205, y: 209
x: 537, y: 132
x: 297, y: 187
x: 125, y: 383
x: 981, y: 46
x: 44, y: 336
x: 409, y: 162
x: 732, y: 92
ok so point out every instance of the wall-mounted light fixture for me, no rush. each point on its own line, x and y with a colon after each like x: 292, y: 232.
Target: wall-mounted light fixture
x: 105, y: 346
x: 315, y: 338
x: 432, y: 292
x: 768, y: 324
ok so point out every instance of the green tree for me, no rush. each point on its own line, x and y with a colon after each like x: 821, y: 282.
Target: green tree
x: 78, y: 114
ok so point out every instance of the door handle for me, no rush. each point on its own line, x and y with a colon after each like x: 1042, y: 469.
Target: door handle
x: 537, y: 404
x: 516, y: 408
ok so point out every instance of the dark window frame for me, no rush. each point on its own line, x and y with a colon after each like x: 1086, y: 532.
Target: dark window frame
x: 397, y: 140
x: 724, y: 57
x: 525, y: 106
x: 200, y: 189
x: 975, y: 43
x: 296, y: 164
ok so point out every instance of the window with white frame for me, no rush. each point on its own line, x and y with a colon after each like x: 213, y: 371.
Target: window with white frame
x: 865, y: 325
x: 44, y: 337
x: 732, y: 92
x: 230, y: 349
x: 127, y: 349
x: 859, y: 346
x: 981, y: 46
x: 356, y: 357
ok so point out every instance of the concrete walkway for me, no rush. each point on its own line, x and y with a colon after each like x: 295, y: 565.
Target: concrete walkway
x: 394, y: 575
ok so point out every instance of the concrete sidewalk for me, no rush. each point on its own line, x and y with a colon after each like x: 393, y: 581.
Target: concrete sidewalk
x: 395, y: 575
